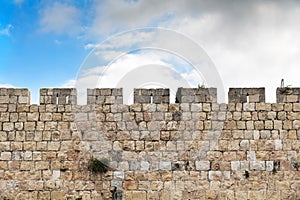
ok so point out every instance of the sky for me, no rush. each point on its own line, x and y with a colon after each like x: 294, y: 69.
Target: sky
x: 122, y: 43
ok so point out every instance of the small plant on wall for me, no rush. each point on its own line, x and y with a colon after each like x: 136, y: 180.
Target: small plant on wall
x: 286, y: 90
x: 98, y: 166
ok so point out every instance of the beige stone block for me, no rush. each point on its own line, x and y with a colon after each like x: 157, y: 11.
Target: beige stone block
x: 229, y: 125
x: 41, y: 146
x: 291, y: 98
x: 34, y: 116
x: 165, y: 195
x: 202, y: 165
x: 22, y: 117
x: 37, y: 155
x: 238, y: 134
x: 3, y: 166
x: 41, y: 165
x: 206, y: 107
x: 259, y: 125
x: 257, y: 195
x: 288, y: 107
x: 241, y: 194
x: 13, y: 117
x: 68, y: 117
x: 29, y: 126
x: 53, y: 146
x: 215, y: 175
x: 274, y: 195
x: 157, y: 185
x: 287, y: 124
x: 27, y: 165
x: 211, y: 194
x: 234, y: 145
x: 237, y: 116
x: 5, y: 156
x: 30, y: 146
x: 277, y: 124
x: 288, y: 194
x: 4, y: 117
x: 214, y: 156
x: 14, y: 165
x: 8, y: 126
x: 130, y: 185
x: 282, y: 185
x: 269, y: 125
x: 58, y: 195
x: 250, y: 125
x: 166, y: 175
x: 296, y: 107
x: 135, y: 195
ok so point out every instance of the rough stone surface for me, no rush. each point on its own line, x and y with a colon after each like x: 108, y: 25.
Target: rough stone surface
x: 193, y: 149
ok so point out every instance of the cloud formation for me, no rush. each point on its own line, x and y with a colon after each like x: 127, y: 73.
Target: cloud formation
x: 253, y: 43
x: 7, y: 30
x: 6, y: 85
x: 60, y: 18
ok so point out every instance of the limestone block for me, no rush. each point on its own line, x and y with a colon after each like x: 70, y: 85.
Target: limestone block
x: 165, y: 165
x: 130, y: 185
x: 58, y: 195
x: 257, y: 165
x: 5, y: 156
x: 278, y: 144
x: 215, y: 175
x: 202, y: 165
x: 235, y: 165
x: 269, y: 166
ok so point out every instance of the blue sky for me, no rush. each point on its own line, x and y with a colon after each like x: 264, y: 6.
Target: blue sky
x: 251, y: 43
x: 30, y: 56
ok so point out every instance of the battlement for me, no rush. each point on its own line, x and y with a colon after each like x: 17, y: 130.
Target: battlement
x: 288, y: 95
x: 155, y: 96
x: 246, y: 95
x: 108, y: 96
x: 60, y: 96
x: 11, y: 95
x: 105, y: 96
x: 196, y: 95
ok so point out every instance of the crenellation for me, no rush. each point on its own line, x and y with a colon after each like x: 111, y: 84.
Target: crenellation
x: 14, y: 96
x: 288, y: 95
x: 59, y: 96
x: 106, y: 96
x: 155, y: 96
x: 246, y: 95
x: 196, y: 95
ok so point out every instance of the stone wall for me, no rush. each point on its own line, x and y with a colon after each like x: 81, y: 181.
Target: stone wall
x: 194, y: 149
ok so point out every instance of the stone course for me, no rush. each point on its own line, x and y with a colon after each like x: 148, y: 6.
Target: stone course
x: 193, y: 149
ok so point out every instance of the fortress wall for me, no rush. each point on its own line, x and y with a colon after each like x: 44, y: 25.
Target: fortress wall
x: 193, y: 149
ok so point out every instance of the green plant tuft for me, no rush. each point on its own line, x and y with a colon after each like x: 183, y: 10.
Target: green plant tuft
x: 201, y: 86
x: 285, y: 90
x: 98, y: 166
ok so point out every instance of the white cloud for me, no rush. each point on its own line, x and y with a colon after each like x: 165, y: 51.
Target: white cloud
x: 144, y: 69
x: 61, y: 19
x: 68, y: 84
x: 6, y: 85
x: 6, y: 31
x: 90, y: 46
x: 252, y: 43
